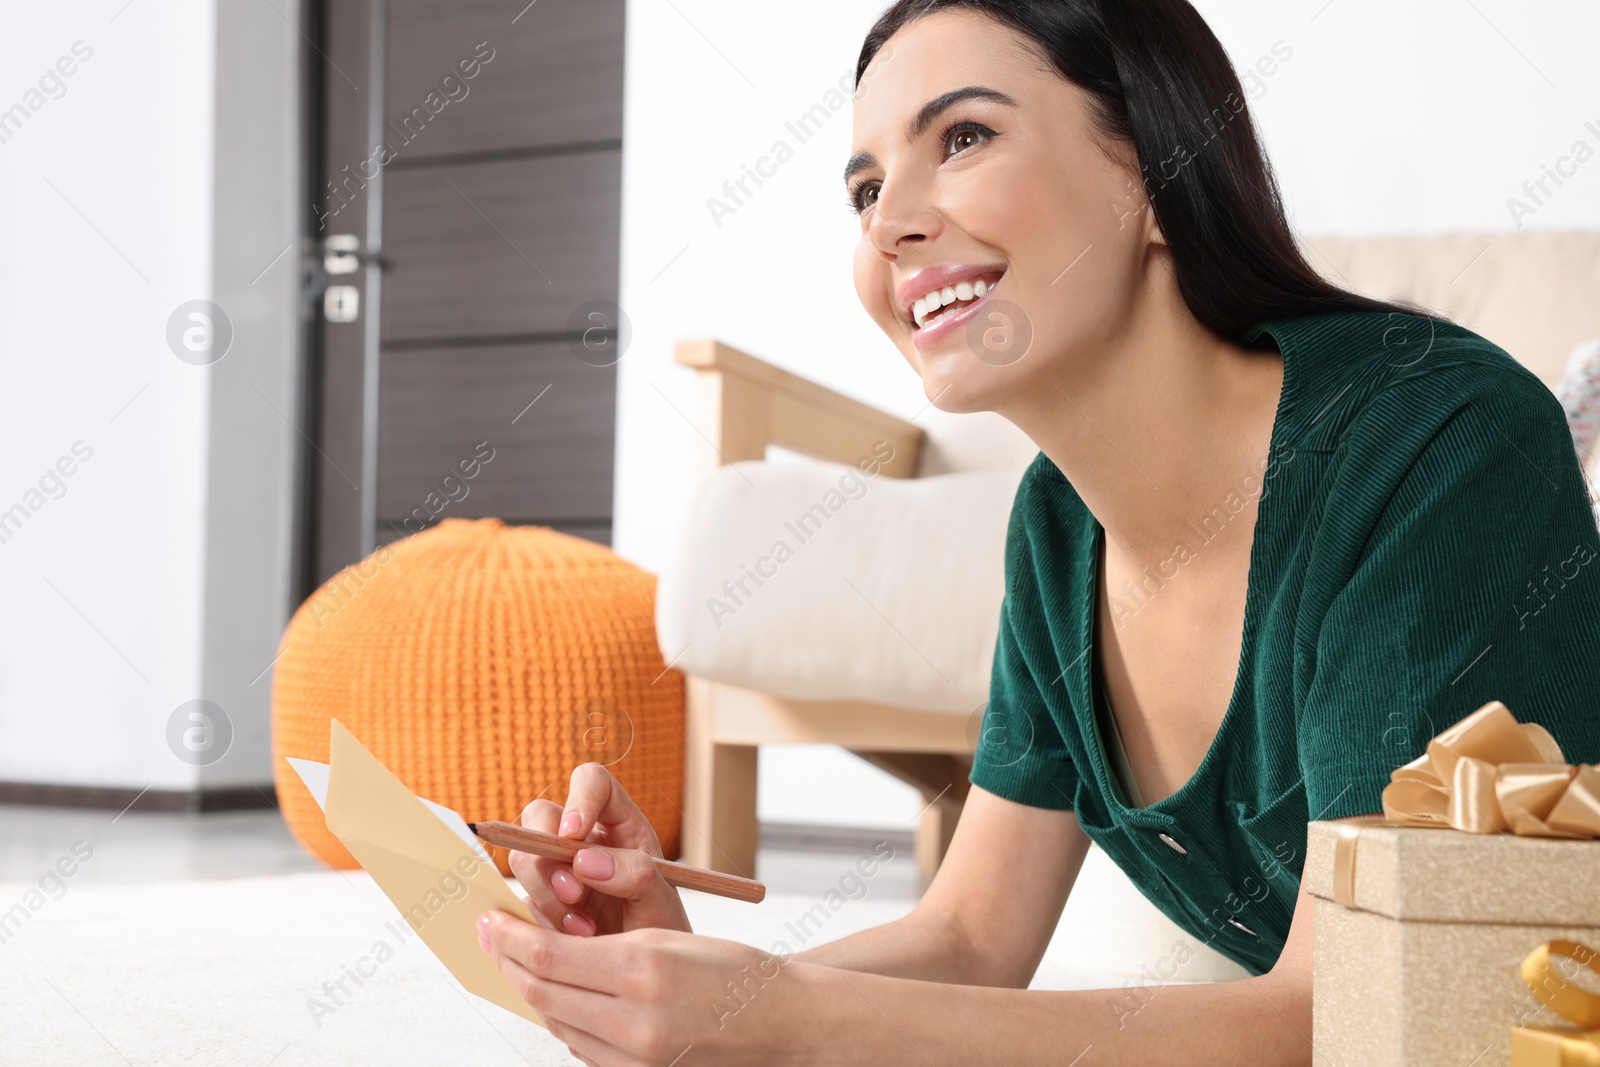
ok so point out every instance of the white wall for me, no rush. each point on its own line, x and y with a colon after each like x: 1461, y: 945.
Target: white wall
x: 1415, y: 117
x: 117, y: 204
x: 1424, y: 116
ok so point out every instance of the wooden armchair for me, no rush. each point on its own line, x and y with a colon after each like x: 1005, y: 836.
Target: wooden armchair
x: 750, y: 405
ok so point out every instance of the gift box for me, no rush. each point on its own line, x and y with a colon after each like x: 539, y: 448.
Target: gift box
x: 1423, y: 919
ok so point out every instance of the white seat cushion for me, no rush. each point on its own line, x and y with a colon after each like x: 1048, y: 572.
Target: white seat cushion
x: 818, y: 581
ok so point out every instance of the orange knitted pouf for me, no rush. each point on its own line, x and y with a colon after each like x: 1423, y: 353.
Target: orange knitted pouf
x: 482, y: 663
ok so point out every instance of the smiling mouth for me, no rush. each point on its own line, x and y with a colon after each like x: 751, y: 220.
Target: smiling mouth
x: 950, y: 300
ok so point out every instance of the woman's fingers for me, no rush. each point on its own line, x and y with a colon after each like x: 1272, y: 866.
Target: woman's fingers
x: 642, y: 994
x: 576, y: 1016
x: 558, y: 977
x: 573, y: 1016
x: 622, y: 870
x: 542, y: 902
x: 594, y: 796
x: 632, y: 876
x: 596, y: 964
x: 619, y: 872
x: 552, y: 889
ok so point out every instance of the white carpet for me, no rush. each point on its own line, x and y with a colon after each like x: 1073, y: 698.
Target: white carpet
x: 222, y: 973
x: 231, y: 972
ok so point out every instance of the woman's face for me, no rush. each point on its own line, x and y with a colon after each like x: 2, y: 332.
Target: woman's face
x: 1005, y: 185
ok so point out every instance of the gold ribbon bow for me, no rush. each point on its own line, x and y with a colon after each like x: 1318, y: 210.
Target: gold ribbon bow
x: 1490, y: 774
x: 1537, y: 1045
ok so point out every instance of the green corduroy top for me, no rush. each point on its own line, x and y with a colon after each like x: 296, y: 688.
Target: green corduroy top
x: 1423, y: 544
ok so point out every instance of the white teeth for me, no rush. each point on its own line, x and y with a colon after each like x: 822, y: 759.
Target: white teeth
x: 927, y: 305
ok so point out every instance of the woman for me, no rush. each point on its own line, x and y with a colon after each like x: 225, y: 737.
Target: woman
x: 1299, y: 530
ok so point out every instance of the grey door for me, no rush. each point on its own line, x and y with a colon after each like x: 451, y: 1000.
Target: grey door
x: 467, y: 204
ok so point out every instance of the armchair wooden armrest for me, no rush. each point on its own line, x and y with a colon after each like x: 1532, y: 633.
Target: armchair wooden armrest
x: 752, y: 404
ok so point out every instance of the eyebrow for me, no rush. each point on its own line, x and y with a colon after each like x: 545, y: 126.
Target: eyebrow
x: 924, y: 118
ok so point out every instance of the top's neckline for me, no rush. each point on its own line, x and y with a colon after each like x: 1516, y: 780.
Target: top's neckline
x: 1083, y: 677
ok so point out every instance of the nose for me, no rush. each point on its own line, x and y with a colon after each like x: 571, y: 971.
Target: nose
x: 903, y: 218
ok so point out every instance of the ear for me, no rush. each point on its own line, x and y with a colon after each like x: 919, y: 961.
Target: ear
x: 1134, y: 201
x: 1152, y: 228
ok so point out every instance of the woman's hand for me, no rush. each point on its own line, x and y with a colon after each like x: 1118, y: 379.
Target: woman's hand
x: 647, y: 996
x: 610, y: 887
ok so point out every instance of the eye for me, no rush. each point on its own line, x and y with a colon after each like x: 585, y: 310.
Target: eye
x: 961, y: 136
x: 861, y: 195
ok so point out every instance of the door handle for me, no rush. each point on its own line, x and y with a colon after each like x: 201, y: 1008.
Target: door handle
x: 342, y: 254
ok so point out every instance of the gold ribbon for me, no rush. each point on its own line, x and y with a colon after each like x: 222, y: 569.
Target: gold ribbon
x: 1487, y: 774
x: 1344, y: 857
x: 1556, y: 993
x: 1490, y: 774
x: 1534, y: 1045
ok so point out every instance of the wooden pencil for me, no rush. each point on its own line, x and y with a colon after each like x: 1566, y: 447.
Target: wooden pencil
x: 551, y: 847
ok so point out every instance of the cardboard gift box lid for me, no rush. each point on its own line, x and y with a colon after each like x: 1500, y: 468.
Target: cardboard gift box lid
x: 1422, y: 874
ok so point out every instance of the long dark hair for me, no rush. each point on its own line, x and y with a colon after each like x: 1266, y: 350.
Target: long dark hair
x: 1159, y: 79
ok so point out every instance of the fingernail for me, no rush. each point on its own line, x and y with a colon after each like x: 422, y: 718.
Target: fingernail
x: 592, y: 863
x: 566, y: 887
x: 485, y: 921
x: 483, y: 942
x: 570, y: 822
x: 577, y: 925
